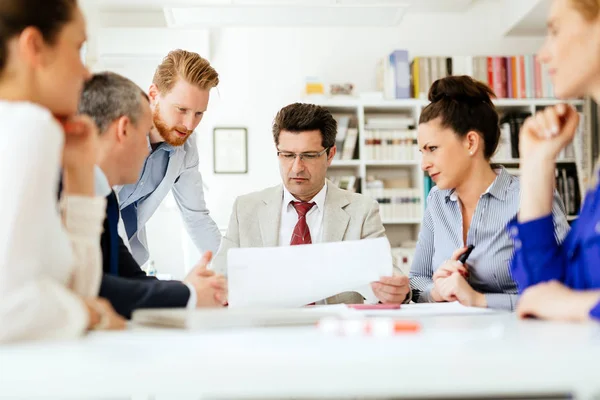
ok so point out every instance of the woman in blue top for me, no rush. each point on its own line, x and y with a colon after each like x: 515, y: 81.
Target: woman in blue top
x: 560, y: 282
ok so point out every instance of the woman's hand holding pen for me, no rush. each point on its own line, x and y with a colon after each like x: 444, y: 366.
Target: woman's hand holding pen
x: 446, y: 270
x: 452, y: 265
x: 450, y: 283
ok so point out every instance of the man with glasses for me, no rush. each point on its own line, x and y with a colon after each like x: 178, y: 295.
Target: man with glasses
x: 307, y: 208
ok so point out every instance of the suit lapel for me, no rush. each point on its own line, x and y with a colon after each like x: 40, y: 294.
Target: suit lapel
x: 335, y: 218
x: 270, y: 217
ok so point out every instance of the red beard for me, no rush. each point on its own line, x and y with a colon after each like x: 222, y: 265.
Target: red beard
x: 173, y: 135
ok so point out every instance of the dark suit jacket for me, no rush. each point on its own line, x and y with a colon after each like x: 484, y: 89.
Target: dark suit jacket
x: 133, y: 289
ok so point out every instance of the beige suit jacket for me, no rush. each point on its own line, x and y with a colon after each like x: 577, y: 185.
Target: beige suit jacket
x: 256, y: 217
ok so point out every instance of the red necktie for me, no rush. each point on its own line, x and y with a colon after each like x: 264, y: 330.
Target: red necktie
x: 301, y: 233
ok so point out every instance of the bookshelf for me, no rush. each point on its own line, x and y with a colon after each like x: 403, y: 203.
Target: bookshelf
x: 393, y: 175
x: 402, y: 228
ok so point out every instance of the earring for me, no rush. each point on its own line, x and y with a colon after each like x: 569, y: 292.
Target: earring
x: 471, y: 153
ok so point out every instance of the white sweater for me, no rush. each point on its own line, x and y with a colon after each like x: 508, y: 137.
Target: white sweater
x: 47, y: 263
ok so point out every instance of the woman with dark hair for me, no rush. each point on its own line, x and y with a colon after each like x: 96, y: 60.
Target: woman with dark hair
x: 50, y: 266
x: 560, y: 281
x: 471, y: 204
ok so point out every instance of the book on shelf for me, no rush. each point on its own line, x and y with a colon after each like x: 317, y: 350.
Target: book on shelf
x: 582, y: 145
x: 567, y: 186
x: 398, y: 200
x: 350, y: 183
x: 508, y: 146
x: 346, y: 137
x: 397, y: 204
x: 510, y: 126
x: 512, y: 77
x: 390, y: 138
x: 393, y: 75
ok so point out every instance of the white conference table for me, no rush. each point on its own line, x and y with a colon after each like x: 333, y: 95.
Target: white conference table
x: 453, y: 356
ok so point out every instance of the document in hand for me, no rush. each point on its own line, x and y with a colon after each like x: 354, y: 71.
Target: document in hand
x: 293, y: 276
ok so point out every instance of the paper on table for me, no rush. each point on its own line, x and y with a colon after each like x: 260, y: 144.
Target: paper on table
x: 293, y: 276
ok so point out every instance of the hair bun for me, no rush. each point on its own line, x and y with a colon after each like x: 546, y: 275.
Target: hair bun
x: 463, y: 89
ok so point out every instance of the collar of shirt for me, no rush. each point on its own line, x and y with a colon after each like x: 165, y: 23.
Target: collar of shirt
x: 161, y: 146
x: 497, y: 188
x: 102, y: 188
x: 319, y: 199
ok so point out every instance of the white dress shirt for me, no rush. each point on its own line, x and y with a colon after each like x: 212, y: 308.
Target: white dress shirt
x: 314, y: 217
x: 46, y: 264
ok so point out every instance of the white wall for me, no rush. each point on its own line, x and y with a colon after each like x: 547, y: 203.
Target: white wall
x: 263, y: 69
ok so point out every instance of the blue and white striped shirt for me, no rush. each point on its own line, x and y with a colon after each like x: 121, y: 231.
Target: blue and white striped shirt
x: 489, y: 263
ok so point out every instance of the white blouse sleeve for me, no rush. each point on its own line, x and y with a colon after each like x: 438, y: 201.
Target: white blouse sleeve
x: 38, y: 262
x: 83, y: 218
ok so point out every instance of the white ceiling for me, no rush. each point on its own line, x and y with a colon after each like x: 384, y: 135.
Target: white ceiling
x: 520, y: 17
x: 409, y: 5
x: 216, y: 13
x: 534, y: 22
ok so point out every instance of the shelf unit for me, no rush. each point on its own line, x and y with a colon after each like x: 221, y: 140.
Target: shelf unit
x: 407, y: 228
x: 402, y: 221
x: 517, y: 161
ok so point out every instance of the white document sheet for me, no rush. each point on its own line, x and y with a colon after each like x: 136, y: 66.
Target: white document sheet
x: 293, y: 276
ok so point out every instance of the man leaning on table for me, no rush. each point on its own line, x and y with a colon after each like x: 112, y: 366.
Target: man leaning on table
x: 307, y: 208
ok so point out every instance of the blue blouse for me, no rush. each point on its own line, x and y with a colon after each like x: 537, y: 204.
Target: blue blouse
x: 575, y: 262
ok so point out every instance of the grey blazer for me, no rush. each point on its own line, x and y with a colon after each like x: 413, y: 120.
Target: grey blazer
x: 256, y: 218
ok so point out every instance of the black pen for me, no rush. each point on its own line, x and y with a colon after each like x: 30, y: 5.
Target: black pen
x: 463, y: 257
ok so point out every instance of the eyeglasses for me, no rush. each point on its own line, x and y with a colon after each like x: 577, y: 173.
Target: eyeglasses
x: 288, y: 156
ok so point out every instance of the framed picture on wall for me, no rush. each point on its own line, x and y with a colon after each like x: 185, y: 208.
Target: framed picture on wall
x: 230, y: 150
